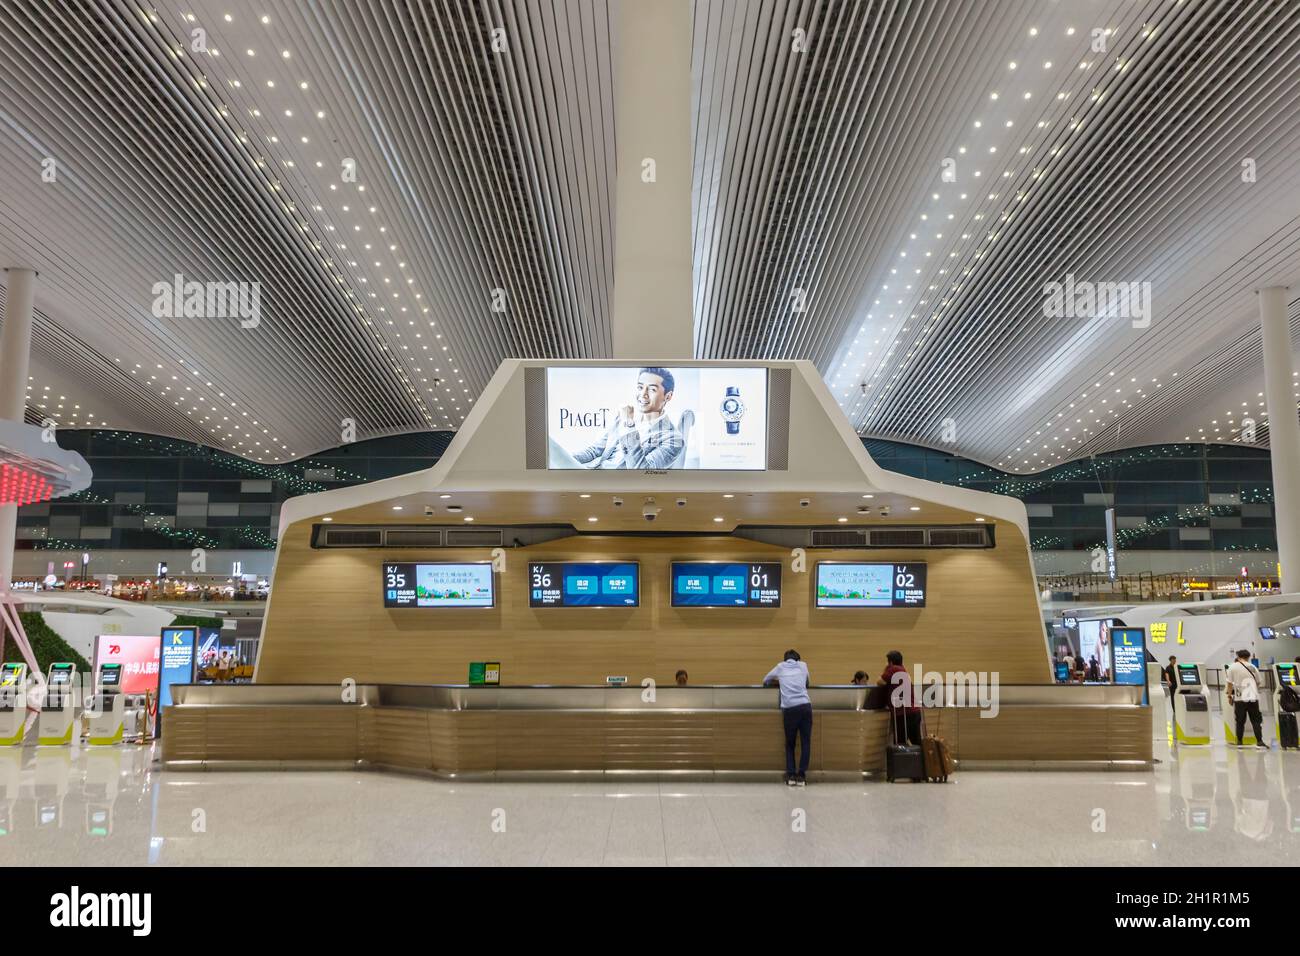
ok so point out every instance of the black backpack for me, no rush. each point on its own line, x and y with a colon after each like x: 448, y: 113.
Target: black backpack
x: 1289, y: 699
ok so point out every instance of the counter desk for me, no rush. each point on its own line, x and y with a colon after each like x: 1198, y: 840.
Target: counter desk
x: 459, y: 730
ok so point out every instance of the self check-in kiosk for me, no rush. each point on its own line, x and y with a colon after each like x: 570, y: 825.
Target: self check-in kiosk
x: 1191, y: 707
x: 13, y: 703
x: 1286, y: 681
x: 55, y: 724
x: 106, y: 718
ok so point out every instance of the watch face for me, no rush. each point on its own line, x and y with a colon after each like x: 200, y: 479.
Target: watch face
x: 732, y: 409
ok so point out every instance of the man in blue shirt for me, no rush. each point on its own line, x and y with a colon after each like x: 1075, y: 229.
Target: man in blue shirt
x: 791, y: 676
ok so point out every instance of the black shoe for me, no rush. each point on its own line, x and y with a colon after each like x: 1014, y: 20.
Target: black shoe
x: 801, y: 781
x: 789, y: 780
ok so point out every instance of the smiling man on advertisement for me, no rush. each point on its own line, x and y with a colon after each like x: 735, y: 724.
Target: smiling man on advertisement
x: 642, y: 435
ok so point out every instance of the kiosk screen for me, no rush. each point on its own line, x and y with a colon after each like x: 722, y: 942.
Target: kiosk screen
x: 707, y: 584
x: 1289, y: 674
x: 438, y: 585
x: 564, y: 584
x: 110, y: 675
x: 60, y: 673
x: 1189, y: 675
x: 870, y: 585
x: 9, y: 674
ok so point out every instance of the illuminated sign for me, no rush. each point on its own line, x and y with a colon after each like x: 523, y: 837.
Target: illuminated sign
x: 1159, y: 630
x: 1129, y: 656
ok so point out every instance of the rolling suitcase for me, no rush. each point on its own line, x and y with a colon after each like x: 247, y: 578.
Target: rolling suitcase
x: 902, y: 761
x: 1288, y: 737
x: 938, y: 758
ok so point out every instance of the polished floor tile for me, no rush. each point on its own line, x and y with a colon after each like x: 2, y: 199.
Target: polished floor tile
x: 115, y: 807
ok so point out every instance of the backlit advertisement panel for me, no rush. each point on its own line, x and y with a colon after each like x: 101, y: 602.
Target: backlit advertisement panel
x: 139, y: 655
x: 652, y: 417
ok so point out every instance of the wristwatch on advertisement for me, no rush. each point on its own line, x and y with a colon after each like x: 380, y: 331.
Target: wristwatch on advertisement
x: 732, y: 410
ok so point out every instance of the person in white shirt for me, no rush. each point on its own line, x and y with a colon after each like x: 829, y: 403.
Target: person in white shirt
x: 791, y: 675
x: 1243, y: 691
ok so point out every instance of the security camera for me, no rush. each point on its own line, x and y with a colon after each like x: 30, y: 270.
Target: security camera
x: 884, y: 511
x: 428, y: 511
x: 650, y: 510
x: 804, y: 502
x: 681, y: 502
x: 618, y: 502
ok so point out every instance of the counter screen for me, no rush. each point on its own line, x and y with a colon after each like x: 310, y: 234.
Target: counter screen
x: 1189, y: 674
x: 110, y: 675
x: 1289, y: 674
x: 571, y: 584
x: 438, y: 585
x: 60, y: 673
x: 870, y: 585
x: 710, y: 584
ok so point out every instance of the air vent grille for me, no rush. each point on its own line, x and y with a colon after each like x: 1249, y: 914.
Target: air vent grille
x: 958, y: 538
x: 839, y: 539
x: 473, y: 539
x: 353, y: 538
x: 898, y: 537
x: 431, y: 538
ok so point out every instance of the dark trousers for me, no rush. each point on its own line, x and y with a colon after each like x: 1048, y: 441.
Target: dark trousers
x: 1250, y: 709
x: 906, y: 729
x: 798, y: 720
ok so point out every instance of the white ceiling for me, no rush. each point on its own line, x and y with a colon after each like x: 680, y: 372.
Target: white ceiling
x: 818, y: 184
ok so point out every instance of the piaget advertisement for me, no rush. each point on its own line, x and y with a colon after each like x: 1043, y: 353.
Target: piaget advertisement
x: 652, y: 417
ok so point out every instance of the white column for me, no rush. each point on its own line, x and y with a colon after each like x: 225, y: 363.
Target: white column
x: 1283, y: 431
x: 653, y: 317
x: 15, y: 351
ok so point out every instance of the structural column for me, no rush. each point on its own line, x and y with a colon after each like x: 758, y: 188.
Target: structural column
x: 15, y: 353
x: 653, y: 294
x: 1283, y: 431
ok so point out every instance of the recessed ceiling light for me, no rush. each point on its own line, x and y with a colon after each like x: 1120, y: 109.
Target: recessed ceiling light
x: 979, y: 519
x: 841, y: 520
x: 326, y: 519
x: 915, y: 508
x: 469, y: 517
x: 397, y: 507
x: 593, y: 518
x: 728, y: 495
x: 719, y: 520
x: 444, y: 496
x: 584, y: 496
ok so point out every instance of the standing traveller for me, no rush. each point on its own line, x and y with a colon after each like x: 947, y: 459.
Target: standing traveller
x: 791, y: 676
x: 1243, y: 691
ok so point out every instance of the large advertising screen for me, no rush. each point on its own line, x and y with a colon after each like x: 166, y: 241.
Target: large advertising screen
x: 593, y: 584
x: 1094, y: 646
x: 870, y: 585
x: 719, y: 584
x: 177, y: 660
x: 655, y: 417
x: 438, y: 585
x: 139, y: 656
x: 1128, y: 648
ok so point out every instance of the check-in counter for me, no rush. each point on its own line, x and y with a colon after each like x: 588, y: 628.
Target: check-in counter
x: 458, y: 730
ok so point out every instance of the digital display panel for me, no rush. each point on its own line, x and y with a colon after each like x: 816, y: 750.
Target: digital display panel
x: 711, y: 584
x: 574, y: 584
x: 1128, y: 649
x: 10, y: 674
x: 438, y: 585
x: 1268, y: 634
x: 60, y: 673
x: 1189, y: 674
x: 110, y: 675
x: 178, y: 645
x: 1289, y: 674
x: 650, y: 417
x: 139, y: 656
x: 870, y: 585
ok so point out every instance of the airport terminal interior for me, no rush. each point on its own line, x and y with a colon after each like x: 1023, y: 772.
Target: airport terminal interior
x: 649, y: 433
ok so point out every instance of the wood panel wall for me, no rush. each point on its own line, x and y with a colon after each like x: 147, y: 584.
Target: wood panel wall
x: 326, y: 619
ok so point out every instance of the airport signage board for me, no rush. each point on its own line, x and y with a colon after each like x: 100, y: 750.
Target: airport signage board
x: 726, y: 584
x: 441, y: 585
x: 583, y: 584
x: 1128, y: 650
x: 656, y: 418
x: 870, y: 585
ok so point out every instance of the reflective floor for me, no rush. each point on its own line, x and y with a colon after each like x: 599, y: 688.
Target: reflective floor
x: 113, y: 806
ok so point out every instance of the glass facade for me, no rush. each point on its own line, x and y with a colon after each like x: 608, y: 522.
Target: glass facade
x: 1178, y: 497
x: 150, y: 492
